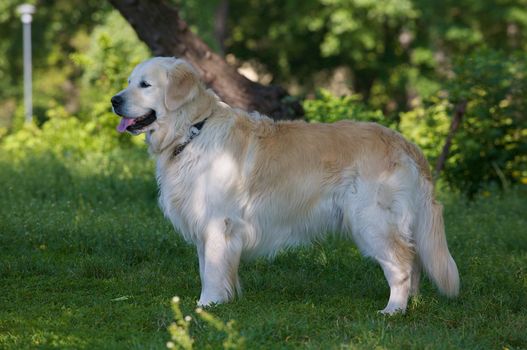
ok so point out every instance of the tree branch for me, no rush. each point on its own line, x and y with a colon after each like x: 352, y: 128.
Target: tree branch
x: 459, y: 112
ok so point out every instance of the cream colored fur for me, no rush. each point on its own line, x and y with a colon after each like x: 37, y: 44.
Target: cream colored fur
x: 247, y: 186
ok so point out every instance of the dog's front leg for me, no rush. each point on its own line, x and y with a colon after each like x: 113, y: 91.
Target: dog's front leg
x: 219, y: 256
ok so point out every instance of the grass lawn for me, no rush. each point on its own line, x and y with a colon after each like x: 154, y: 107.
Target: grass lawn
x: 88, y: 261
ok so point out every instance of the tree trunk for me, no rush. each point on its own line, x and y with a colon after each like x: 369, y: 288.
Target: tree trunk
x: 158, y: 24
x: 220, y: 24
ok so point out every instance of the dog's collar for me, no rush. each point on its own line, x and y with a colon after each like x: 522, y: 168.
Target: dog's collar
x: 195, y: 130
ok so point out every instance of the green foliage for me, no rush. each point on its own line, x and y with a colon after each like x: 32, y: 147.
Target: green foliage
x: 113, y: 51
x: 179, y: 329
x: 427, y: 126
x: 199, y: 16
x: 396, y: 50
x: 326, y: 108
x: 295, y: 39
x: 64, y: 137
x: 182, y: 339
x: 490, y: 146
x: 79, y: 62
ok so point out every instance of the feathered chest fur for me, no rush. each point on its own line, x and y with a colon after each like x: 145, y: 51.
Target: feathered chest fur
x: 195, y: 184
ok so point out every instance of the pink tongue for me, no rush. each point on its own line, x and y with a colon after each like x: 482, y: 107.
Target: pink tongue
x: 125, y: 122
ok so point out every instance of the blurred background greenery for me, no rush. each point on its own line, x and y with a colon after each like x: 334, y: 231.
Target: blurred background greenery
x: 404, y: 63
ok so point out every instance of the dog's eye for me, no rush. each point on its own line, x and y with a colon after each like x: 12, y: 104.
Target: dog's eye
x: 144, y: 84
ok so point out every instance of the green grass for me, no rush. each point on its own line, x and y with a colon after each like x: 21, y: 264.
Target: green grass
x: 88, y: 261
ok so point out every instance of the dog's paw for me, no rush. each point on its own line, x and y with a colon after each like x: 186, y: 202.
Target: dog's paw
x: 204, y: 305
x: 392, y: 310
x: 207, y: 302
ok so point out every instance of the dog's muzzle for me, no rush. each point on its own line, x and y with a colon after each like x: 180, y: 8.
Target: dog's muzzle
x: 133, y: 125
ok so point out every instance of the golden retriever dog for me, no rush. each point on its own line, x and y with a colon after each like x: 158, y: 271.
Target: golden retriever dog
x: 240, y: 185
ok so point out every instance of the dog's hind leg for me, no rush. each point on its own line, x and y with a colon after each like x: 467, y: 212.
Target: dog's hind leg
x: 380, y: 228
x: 395, y: 257
x: 397, y: 266
x: 219, y: 257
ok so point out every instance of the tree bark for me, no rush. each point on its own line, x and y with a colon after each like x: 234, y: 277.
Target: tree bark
x: 220, y: 24
x: 459, y: 112
x: 159, y: 25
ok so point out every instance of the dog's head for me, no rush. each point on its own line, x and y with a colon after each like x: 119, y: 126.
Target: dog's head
x: 156, y: 88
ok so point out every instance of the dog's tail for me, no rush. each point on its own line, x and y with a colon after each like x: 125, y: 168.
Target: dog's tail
x: 432, y: 246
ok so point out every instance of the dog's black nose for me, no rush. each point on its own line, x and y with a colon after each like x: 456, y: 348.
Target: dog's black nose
x: 117, y: 100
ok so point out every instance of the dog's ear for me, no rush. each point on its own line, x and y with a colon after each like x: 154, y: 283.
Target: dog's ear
x: 183, y: 84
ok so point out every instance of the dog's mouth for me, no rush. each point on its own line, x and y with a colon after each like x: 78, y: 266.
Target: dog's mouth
x: 136, y: 125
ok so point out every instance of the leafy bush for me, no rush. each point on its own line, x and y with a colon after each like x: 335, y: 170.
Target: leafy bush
x: 427, y: 126
x: 490, y: 147
x: 326, y: 108
x: 65, y: 137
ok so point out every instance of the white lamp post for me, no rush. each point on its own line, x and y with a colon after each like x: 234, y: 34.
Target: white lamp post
x: 26, y: 12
